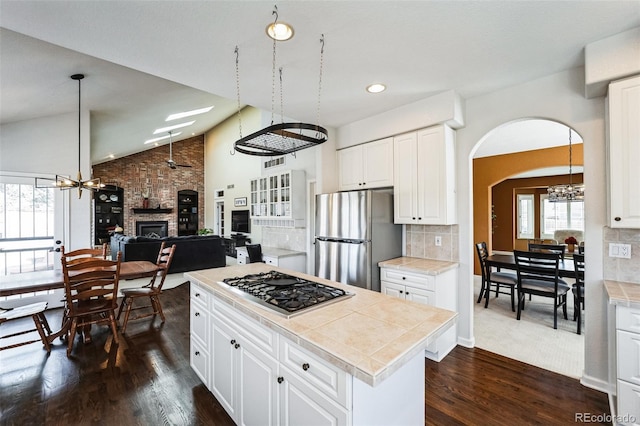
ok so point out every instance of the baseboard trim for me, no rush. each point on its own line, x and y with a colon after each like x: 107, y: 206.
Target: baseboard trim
x: 595, y: 383
x: 467, y: 343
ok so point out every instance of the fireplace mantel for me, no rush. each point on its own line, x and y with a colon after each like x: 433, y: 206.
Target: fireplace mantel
x: 151, y: 211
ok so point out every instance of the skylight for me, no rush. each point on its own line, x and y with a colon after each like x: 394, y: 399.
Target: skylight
x: 161, y: 138
x: 175, y: 126
x: 189, y: 113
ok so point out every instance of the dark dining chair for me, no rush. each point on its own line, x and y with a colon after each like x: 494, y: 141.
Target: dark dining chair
x: 255, y: 253
x: 578, y: 290
x: 152, y: 290
x: 548, y: 248
x: 494, y: 278
x: 538, y: 275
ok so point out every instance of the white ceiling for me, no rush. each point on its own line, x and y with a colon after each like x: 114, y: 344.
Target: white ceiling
x: 146, y: 59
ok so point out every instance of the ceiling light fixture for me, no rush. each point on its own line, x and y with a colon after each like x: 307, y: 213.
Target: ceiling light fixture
x: 161, y: 138
x: 376, y: 88
x: 568, y: 192
x: 278, y: 30
x: 283, y: 138
x: 175, y: 126
x: 63, y: 182
x: 188, y: 113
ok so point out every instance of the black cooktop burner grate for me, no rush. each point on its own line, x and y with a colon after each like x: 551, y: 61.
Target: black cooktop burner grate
x: 284, y: 293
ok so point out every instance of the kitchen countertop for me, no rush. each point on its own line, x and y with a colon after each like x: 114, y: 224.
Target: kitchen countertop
x: 416, y: 264
x: 275, y: 252
x: 623, y: 293
x: 369, y: 335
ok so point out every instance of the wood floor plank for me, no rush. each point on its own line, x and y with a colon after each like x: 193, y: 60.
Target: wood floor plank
x: 147, y: 380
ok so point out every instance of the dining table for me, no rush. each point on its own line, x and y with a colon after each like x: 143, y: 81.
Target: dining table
x: 52, y: 279
x: 508, y: 261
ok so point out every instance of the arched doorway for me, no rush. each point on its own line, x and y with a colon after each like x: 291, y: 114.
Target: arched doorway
x: 525, y: 156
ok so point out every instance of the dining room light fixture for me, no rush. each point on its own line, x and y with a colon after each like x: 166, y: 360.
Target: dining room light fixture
x: 279, y: 138
x: 564, y: 192
x: 63, y: 182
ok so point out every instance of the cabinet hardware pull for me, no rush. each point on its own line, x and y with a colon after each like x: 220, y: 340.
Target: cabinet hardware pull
x: 233, y: 341
x: 305, y: 366
x: 400, y: 291
x: 197, y: 294
x: 617, y: 219
x: 237, y: 345
x: 404, y: 278
x: 197, y: 314
x: 280, y: 379
x: 197, y: 353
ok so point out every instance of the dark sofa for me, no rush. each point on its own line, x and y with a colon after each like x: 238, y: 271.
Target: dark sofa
x: 192, y: 252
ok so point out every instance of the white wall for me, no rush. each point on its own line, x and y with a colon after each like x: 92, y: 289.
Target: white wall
x: 49, y: 146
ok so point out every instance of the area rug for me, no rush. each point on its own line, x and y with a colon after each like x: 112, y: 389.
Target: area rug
x: 532, y: 339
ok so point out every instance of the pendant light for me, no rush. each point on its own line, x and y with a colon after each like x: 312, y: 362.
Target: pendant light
x: 280, y: 138
x: 568, y: 192
x: 63, y: 182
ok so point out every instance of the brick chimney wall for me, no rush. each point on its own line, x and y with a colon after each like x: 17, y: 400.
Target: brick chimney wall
x: 148, y: 171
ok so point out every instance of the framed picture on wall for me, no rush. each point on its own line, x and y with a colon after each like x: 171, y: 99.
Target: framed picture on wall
x: 239, y: 202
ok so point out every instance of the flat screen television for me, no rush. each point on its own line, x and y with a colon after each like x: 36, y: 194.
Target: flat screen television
x: 240, y: 221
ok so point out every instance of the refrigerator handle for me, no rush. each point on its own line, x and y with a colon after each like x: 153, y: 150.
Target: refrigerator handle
x: 341, y: 240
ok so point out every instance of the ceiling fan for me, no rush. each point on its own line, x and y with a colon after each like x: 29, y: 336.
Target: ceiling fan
x: 172, y: 164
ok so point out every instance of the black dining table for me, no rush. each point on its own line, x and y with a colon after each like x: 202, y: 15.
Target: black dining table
x: 508, y: 261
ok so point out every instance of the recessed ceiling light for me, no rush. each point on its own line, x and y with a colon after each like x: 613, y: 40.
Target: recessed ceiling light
x: 279, y: 31
x: 175, y: 126
x: 376, y: 88
x: 189, y: 113
x: 161, y: 138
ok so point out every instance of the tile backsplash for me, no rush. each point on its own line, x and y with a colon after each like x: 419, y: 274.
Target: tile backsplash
x: 421, y: 242
x: 285, y: 238
x: 627, y: 270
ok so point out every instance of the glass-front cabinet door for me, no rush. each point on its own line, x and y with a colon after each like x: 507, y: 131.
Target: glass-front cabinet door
x: 285, y: 195
x: 279, y: 198
x: 259, y: 192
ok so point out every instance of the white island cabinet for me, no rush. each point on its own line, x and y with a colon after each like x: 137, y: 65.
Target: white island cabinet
x: 288, y: 259
x: 349, y: 363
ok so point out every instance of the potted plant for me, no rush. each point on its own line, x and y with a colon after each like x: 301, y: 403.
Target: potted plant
x: 571, y: 243
x: 205, y: 231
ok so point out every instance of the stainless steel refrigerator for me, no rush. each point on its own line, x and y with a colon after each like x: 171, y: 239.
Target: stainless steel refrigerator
x: 355, y: 231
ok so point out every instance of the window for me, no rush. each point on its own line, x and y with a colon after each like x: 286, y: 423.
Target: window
x: 526, y: 215
x: 26, y: 227
x: 560, y: 215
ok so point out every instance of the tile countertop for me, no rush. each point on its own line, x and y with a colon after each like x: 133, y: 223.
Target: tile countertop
x: 369, y: 335
x: 416, y: 264
x: 275, y: 252
x: 622, y: 293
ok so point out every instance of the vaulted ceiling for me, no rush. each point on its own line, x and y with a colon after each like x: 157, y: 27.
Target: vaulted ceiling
x: 146, y: 59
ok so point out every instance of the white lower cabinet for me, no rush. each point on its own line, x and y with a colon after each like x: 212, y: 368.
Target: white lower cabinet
x: 628, y: 365
x: 263, y: 378
x: 433, y: 290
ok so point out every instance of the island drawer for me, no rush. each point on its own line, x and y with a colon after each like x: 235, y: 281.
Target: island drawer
x: 628, y: 319
x: 318, y: 373
x: 199, y: 322
x: 199, y: 295
x: 258, y: 334
x: 424, y: 281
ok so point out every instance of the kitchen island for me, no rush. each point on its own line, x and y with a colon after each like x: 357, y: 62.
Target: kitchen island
x: 357, y: 361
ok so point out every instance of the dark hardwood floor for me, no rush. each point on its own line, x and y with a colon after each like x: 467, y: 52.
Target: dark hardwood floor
x: 147, y: 380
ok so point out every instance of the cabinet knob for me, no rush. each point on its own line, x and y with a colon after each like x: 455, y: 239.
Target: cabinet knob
x: 197, y: 314
x: 305, y: 366
x: 197, y: 294
x: 197, y: 353
x: 419, y: 218
x: 280, y: 379
x: 401, y: 291
x: 233, y: 341
x: 404, y: 278
x: 237, y: 345
x: 617, y: 219
x: 413, y: 218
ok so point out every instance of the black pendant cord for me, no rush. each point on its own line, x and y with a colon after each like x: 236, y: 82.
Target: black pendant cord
x: 79, y: 78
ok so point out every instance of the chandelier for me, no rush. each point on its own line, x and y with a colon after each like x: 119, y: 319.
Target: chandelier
x: 279, y: 138
x: 63, y: 182
x: 568, y: 192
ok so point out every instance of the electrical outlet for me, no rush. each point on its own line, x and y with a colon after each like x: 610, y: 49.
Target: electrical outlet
x: 438, y: 240
x: 620, y: 250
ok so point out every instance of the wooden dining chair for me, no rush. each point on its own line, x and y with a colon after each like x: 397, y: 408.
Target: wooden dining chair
x: 578, y: 290
x: 36, y: 312
x: 91, y: 290
x: 538, y: 275
x: 152, y: 290
x: 497, y: 279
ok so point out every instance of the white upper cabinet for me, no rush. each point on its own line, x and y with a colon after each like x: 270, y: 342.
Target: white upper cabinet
x: 424, y: 177
x: 279, y: 199
x: 624, y: 153
x: 366, y: 166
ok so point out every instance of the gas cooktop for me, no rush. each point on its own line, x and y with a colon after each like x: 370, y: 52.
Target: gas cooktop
x: 285, y: 294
